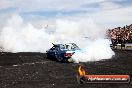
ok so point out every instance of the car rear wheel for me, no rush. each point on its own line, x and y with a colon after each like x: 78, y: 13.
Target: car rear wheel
x: 58, y: 58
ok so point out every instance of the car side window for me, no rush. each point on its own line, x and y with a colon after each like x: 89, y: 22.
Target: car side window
x: 62, y: 46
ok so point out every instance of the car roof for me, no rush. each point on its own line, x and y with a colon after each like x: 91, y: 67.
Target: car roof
x: 63, y: 43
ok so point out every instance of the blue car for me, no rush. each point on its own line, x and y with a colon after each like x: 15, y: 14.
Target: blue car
x: 62, y: 52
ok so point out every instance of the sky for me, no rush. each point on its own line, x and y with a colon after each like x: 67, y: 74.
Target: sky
x: 107, y: 13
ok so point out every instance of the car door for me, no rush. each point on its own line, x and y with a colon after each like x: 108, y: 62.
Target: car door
x: 54, y: 51
x: 57, y: 52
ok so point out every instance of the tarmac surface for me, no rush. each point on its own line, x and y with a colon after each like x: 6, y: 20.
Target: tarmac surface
x: 33, y: 70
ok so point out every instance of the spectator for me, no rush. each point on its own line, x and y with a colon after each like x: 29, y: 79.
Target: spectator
x: 120, y: 35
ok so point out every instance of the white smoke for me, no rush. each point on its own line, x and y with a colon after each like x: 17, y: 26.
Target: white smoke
x: 20, y: 36
x: 96, y: 50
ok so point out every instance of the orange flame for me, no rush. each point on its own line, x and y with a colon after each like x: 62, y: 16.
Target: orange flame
x: 81, y: 71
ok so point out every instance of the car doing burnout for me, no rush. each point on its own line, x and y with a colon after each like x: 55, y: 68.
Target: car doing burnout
x: 62, y: 52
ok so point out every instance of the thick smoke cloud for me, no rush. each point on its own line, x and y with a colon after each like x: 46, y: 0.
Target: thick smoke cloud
x: 96, y: 50
x: 20, y: 36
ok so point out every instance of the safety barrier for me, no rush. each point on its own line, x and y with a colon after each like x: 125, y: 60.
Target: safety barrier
x: 123, y: 46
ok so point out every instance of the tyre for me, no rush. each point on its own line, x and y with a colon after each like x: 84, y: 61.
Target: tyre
x: 58, y: 58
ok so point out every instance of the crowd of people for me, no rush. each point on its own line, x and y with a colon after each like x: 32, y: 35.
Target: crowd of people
x: 120, y: 35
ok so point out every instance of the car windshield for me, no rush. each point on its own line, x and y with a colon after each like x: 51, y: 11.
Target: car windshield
x: 70, y: 46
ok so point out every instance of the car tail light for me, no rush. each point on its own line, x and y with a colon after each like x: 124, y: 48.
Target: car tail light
x: 68, y: 54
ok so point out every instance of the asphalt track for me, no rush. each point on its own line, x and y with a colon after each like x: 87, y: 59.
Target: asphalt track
x: 33, y: 70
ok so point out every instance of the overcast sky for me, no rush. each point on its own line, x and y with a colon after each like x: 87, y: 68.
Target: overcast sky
x: 108, y: 13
